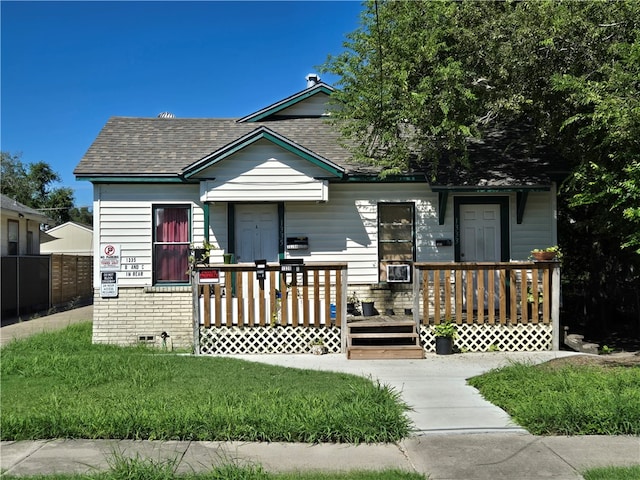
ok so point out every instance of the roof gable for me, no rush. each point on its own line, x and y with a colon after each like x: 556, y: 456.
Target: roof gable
x: 258, y: 134
x: 278, y: 109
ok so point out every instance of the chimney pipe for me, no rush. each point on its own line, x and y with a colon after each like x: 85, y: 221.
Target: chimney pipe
x: 312, y: 79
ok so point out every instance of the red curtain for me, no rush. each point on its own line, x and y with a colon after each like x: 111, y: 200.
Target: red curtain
x: 172, y: 244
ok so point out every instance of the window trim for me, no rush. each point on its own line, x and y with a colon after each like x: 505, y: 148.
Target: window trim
x: 11, y: 222
x: 383, y: 263
x: 154, y: 243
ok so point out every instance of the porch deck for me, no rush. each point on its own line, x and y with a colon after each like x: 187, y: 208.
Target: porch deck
x: 507, y: 306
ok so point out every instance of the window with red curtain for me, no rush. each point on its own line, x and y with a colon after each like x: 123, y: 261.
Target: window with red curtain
x: 171, y: 244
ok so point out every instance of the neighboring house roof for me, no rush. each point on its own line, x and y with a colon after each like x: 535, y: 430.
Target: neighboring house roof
x: 69, y: 238
x: 11, y: 205
x: 62, y: 226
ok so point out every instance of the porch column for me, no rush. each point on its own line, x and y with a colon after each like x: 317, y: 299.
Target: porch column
x: 555, y: 307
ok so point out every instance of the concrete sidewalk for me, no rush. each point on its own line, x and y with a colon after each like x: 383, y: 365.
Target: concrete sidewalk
x: 48, y: 323
x: 488, y: 456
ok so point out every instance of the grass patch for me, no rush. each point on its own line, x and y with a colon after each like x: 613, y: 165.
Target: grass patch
x: 145, y: 469
x: 59, y: 385
x: 570, y: 400
x: 613, y: 473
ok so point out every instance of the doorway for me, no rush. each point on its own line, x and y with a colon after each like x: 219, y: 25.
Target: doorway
x: 482, y: 235
x: 256, y: 232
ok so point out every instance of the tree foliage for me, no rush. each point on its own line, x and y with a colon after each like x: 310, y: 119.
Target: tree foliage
x: 32, y: 185
x: 418, y: 78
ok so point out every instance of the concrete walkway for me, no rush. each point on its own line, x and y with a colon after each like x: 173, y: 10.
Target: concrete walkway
x: 48, y: 323
x: 457, y: 436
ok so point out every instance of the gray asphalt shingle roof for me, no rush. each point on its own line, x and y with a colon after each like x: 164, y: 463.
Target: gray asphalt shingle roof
x: 165, y: 146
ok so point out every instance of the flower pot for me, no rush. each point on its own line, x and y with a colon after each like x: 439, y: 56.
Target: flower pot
x: 319, y: 349
x: 367, y: 309
x: 543, y: 256
x: 444, y: 345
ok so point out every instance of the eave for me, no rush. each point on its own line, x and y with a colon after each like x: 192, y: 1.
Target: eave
x: 320, y: 88
x: 254, y: 136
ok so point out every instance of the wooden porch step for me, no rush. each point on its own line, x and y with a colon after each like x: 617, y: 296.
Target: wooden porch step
x: 384, y: 335
x: 381, y: 322
x: 383, y: 338
x: 385, y: 352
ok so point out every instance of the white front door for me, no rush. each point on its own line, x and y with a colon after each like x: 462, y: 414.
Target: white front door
x: 256, y: 232
x: 480, y: 233
x: 480, y: 237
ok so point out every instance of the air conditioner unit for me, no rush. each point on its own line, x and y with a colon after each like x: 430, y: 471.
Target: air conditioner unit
x: 398, y: 273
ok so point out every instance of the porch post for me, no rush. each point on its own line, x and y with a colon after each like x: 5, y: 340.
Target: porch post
x: 555, y: 307
x: 343, y: 272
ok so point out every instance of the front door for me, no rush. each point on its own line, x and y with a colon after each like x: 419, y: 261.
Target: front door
x: 480, y: 233
x: 256, y: 232
x: 480, y: 241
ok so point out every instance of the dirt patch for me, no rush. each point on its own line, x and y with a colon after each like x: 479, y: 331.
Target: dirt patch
x: 618, y: 359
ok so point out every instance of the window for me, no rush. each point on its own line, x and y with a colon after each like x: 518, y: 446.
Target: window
x: 12, y: 237
x: 30, y: 245
x: 396, y: 238
x: 171, y: 239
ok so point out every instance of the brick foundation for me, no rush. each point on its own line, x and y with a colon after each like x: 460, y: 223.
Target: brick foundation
x: 140, y: 315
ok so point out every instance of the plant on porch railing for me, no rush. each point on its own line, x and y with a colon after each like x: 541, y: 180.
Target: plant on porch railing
x: 547, y: 254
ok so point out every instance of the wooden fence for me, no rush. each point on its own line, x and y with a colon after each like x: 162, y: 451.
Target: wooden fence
x: 71, y: 278
x: 314, y: 297
x: 34, y: 283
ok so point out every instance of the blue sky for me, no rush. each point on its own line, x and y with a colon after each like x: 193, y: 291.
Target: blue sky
x: 69, y: 66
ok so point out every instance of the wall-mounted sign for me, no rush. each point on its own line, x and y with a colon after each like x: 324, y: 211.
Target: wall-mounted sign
x: 209, y: 275
x: 108, y: 284
x: 109, y: 257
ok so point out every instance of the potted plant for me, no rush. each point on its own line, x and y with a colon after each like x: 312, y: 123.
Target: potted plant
x: 318, y: 347
x: 368, y: 309
x: 546, y: 254
x: 353, y: 304
x: 445, y: 333
x: 201, y: 253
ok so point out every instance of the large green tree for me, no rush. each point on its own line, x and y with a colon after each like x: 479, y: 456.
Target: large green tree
x: 418, y: 78
x: 32, y: 185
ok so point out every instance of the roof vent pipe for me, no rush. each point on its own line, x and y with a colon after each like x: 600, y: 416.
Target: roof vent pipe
x: 312, y: 79
x: 166, y: 115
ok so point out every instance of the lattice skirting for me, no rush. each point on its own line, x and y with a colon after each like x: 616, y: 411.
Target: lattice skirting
x: 503, y: 338
x: 280, y: 339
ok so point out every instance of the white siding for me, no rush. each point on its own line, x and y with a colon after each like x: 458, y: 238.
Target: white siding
x: 123, y: 216
x: 345, y: 228
x: 341, y: 229
x: 264, y: 172
x: 538, y: 227
x: 312, y: 106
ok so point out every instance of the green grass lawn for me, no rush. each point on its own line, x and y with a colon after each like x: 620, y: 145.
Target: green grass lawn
x: 143, y: 469
x: 59, y: 385
x: 569, y: 400
x: 613, y: 473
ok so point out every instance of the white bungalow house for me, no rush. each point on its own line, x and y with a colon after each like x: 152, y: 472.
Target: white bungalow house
x: 277, y: 185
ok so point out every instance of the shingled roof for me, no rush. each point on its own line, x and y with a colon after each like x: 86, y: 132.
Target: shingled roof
x: 163, y: 147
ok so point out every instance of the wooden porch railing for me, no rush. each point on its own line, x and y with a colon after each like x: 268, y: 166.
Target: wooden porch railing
x: 492, y: 293
x: 282, y: 298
